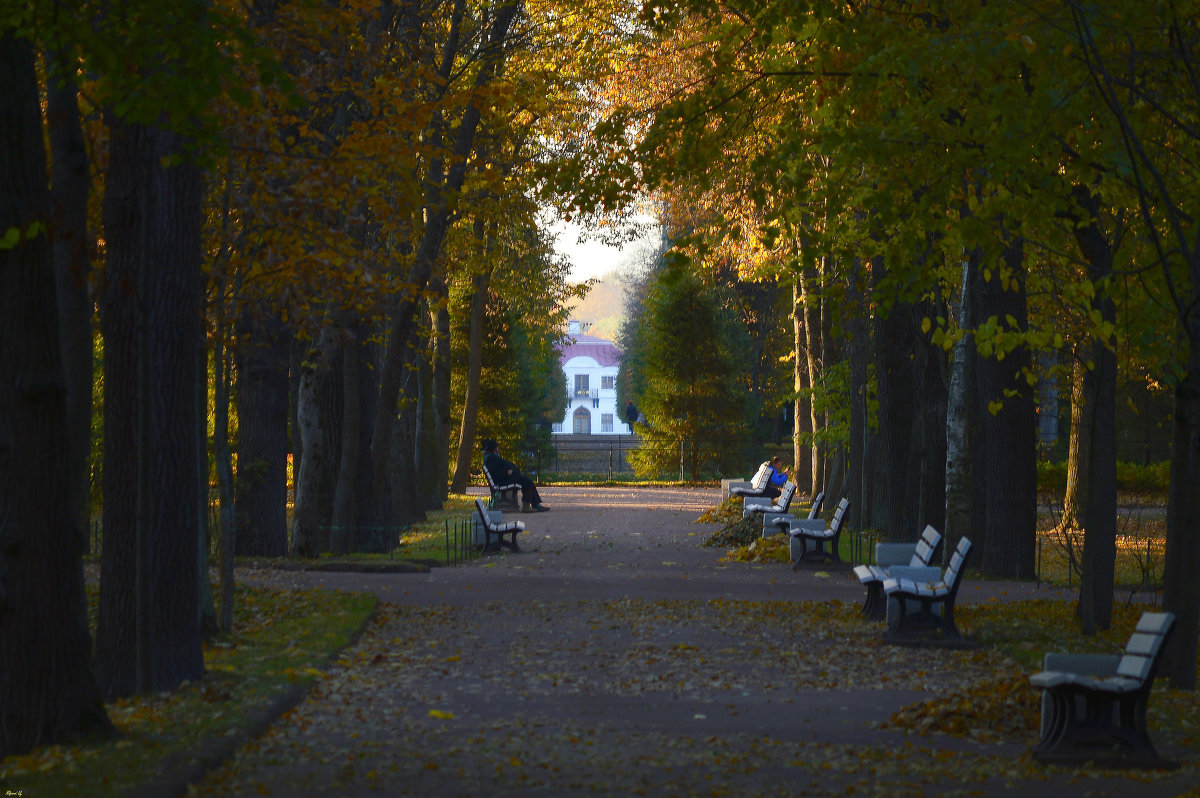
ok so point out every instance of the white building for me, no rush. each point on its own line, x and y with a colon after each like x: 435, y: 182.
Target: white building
x: 591, y: 365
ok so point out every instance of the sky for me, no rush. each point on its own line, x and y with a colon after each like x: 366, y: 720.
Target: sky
x: 593, y: 258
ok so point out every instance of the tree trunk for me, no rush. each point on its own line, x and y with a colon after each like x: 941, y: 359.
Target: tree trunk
x: 308, y: 538
x: 961, y: 398
x: 812, y: 346
x: 47, y: 691
x: 262, y: 402
x: 148, y: 635
x: 222, y: 376
x: 1181, y: 587
x: 441, y: 192
x: 802, y: 472
x: 1079, y: 442
x: 208, y: 608
x: 466, y: 435
x: 1100, y: 430
x: 344, y: 520
x: 859, y: 342
x: 1008, y: 451
x: 71, y: 183
x: 442, y: 402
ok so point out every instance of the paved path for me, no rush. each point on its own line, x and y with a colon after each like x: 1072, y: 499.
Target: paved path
x: 615, y: 655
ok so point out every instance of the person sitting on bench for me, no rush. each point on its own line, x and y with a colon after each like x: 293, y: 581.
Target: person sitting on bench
x: 502, y: 471
x: 776, y: 479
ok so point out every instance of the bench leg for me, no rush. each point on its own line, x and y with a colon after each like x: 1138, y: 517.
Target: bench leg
x: 1108, y: 736
x: 875, y: 606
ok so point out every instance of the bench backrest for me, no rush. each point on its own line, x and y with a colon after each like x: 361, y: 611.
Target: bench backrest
x: 759, y: 480
x: 488, y: 476
x: 483, y: 516
x: 1141, y: 652
x: 955, y: 568
x: 817, y: 502
x: 785, y: 496
x: 926, y: 546
x: 839, y: 515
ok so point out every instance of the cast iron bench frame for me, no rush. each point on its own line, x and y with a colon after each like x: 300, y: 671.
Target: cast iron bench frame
x: 503, y: 495
x: 873, y: 576
x: 926, y: 626
x: 815, y: 531
x: 497, y: 530
x: 1098, y: 713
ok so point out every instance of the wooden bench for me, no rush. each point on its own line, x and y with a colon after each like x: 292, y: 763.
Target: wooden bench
x: 927, y: 625
x: 812, y: 540
x: 758, y: 483
x: 764, y: 505
x: 1097, y: 711
x: 493, y: 530
x: 769, y: 519
x: 503, y: 495
x: 873, y: 576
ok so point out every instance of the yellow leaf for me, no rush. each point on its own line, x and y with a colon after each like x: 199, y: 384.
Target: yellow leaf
x: 441, y: 714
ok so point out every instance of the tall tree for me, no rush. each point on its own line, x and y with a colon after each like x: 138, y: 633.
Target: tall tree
x: 48, y: 693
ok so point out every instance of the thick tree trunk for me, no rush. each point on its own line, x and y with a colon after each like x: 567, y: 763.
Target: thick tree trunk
x: 1100, y: 403
x: 1181, y: 587
x: 1008, y: 452
x: 262, y: 401
x: 859, y: 343
x: 71, y: 183
x: 466, y: 434
x: 344, y: 498
x: 308, y: 536
x: 47, y: 691
x: 898, y: 345
x: 148, y: 635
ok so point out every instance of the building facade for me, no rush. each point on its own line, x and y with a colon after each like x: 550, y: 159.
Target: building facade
x: 591, y: 365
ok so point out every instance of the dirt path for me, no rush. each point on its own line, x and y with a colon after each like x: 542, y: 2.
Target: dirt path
x: 615, y: 655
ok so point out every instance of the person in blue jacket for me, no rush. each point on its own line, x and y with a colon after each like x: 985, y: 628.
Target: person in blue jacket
x: 777, y: 479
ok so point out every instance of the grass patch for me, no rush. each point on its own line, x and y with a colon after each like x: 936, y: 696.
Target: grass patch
x: 280, y: 639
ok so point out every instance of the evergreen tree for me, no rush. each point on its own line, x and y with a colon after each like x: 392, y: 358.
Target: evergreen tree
x: 694, y: 394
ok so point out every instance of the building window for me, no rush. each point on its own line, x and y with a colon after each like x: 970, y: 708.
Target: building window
x: 557, y: 428
x: 581, y: 385
x: 608, y: 383
x: 581, y: 422
x: 606, y: 422
x: 596, y: 403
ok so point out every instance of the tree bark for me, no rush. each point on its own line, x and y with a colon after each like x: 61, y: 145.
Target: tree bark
x: 47, y: 691
x: 308, y: 537
x: 1079, y: 441
x: 71, y: 183
x: 443, y: 401
x: 1181, y: 588
x: 262, y: 401
x: 1009, y: 434
x: 441, y: 192
x: 802, y: 472
x: 470, y: 413
x: 961, y: 398
x: 148, y: 635
x: 344, y: 520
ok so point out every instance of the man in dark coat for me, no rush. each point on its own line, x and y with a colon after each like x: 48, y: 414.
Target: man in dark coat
x: 504, y: 472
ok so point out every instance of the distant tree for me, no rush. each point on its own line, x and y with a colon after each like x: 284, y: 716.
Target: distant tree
x: 695, y: 393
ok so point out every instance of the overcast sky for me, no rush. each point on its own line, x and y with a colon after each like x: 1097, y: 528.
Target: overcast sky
x: 591, y: 257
